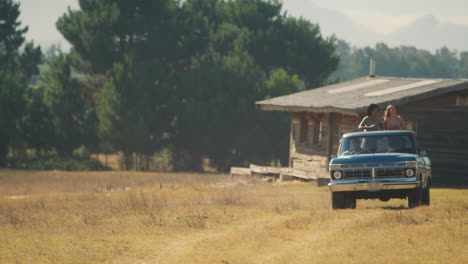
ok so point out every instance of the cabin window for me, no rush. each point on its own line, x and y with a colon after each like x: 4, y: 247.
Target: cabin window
x: 308, y: 130
x: 462, y: 100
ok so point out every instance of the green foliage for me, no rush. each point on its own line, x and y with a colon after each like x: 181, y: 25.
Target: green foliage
x: 280, y: 83
x: 186, y: 75
x: 70, y: 116
x: 11, y: 33
x: 178, y: 80
x: 400, y: 62
x: 163, y: 160
x: 464, y: 64
x: 12, y: 88
x: 90, y: 31
x: 29, y: 60
x: 35, y: 126
x: 219, y: 120
x: 257, y: 53
x: 211, y: 119
x: 53, y: 162
x: 12, y: 81
x: 124, y: 108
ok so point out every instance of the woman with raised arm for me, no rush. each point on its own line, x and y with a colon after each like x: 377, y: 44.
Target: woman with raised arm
x: 392, y: 121
x: 372, y: 121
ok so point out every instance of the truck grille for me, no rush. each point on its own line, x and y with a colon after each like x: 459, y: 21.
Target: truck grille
x: 389, y: 173
x: 357, y: 174
x: 380, y: 173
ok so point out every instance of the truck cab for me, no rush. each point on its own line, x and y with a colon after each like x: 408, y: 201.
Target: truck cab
x: 379, y: 165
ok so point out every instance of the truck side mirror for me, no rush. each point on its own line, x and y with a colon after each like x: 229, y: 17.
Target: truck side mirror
x: 422, y: 153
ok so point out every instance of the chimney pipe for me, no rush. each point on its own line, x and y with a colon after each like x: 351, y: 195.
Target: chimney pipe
x: 372, y: 68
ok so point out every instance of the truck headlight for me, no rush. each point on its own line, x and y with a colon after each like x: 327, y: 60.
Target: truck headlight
x: 337, y: 175
x: 409, y: 172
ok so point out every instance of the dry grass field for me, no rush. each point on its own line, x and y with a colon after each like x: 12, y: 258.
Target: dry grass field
x: 125, y: 217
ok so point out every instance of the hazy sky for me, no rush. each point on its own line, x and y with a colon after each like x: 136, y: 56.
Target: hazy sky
x: 389, y: 15
x: 377, y: 15
x: 40, y: 17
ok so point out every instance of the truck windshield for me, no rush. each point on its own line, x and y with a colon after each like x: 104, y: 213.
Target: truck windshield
x: 377, y: 144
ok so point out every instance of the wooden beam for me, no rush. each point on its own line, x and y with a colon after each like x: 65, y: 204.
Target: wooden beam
x: 331, y: 131
x: 283, y: 173
x: 236, y: 171
x: 302, y: 174
x: 291, y: 140
x: 240, y: 171
x: 329, y: 109
x: 265, y: 169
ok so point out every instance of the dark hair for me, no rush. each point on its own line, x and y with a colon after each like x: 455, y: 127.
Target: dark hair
x: 370, y: 108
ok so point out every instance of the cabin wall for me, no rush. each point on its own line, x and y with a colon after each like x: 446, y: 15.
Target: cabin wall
x: 309, y: 142
x: 441, y: 125
x: 315, y: 136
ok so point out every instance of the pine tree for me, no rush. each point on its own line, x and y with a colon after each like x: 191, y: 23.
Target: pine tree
x: 11, y: 33
x: 125, y: 112
x: 12, y: 81
x: 64, y: 101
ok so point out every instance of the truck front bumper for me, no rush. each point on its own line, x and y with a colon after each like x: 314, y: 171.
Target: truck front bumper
x: 373, y: 185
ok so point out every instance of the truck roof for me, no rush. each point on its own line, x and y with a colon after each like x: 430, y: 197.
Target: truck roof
x: 379, y: 133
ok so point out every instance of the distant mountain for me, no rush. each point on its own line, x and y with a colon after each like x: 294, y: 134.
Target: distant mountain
x: 426, y: 32
x: 331, y: 22
x: 429, y: 33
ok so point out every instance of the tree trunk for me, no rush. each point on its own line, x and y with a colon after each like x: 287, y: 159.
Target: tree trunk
x: 187, y: 162
x: 3, y: 155
x: 147, y: 162
x: 127, y: 160
x: 135, y: 162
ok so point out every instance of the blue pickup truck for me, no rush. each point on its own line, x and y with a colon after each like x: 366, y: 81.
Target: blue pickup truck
x: 379, y: 165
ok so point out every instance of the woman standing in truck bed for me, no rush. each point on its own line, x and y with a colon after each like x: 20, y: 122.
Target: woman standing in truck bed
x: 392, y: 121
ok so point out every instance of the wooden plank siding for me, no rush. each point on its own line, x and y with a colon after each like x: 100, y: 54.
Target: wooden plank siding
x: 314, y: 158
x: 442, y: 130
x: 308, y: 155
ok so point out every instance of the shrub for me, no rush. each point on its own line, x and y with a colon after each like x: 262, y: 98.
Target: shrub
x: 73, y: 163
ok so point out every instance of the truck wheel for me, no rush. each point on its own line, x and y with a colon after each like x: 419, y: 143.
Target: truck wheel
x: 350, y: 202
x: 426, y: 196
x: 415, y: 198
x: 342, y: 200
x: 338, y: 200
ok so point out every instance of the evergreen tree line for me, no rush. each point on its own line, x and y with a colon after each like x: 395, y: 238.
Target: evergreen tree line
x: 169, y: 75
x: 404, y: 61
x: 179, y: 77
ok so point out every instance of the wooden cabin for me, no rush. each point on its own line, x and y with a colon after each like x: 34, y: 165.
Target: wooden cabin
x: 437, y: 109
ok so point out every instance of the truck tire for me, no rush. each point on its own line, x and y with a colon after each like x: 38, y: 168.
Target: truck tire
x: 415, y: 197
x: 342, y: 200
x: 351, y: 202
x: 426, y: 196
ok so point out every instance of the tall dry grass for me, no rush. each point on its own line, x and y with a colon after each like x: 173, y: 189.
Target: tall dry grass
x: 118, y: 217
x: 17, y: 182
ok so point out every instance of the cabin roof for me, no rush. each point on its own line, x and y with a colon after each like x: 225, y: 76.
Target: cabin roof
x: 352, y: 97
x: 378, y: 133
